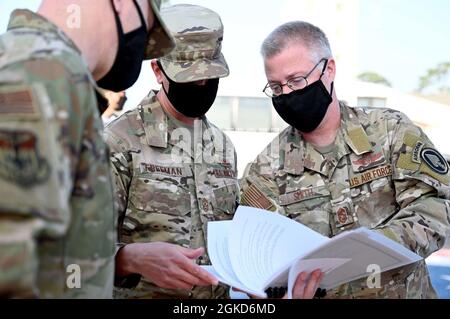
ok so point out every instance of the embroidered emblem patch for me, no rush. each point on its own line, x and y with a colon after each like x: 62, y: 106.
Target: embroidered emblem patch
x: 434, y: 160
x: 20, y: 160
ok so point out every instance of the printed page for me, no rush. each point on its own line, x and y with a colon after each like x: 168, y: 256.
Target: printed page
x: 368, y: 251
x: 218, y: 252
x: 231, y: 283
x: 263, y: 244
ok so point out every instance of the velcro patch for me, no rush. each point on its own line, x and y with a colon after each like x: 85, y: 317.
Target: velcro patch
x: 343, y: 216
x: 18, y: 102
x: 434, y: 160
x: 224, y: 173
x: 416, y: 157
x: 303, y: 194
x: 360, y: 141
x: 166, y: 170
x: 20, y: 159
x: 370, y: 175
x: 368, y: 160
x: 253, y: 197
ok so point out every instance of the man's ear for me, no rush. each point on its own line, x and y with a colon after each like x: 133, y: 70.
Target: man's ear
x: 157, y: 71
x: 330, y: 70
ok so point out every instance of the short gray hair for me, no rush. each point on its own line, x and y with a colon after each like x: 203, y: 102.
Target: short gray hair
x: 301, y: 32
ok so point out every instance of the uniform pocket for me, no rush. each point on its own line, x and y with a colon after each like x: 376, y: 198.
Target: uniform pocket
x: 160, y: 197
x: 225, y: 201
x: 318, y: 220
x: 312, y: 213
x: 157, y: 211
x: 374, y: 202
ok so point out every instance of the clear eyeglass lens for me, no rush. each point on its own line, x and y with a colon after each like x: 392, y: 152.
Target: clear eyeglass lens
x: 297, y: 83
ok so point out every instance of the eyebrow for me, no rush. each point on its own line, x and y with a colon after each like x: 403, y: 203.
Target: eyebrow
x: 290, y: 76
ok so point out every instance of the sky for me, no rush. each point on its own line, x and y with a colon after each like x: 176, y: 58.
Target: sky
x: 399, y: 39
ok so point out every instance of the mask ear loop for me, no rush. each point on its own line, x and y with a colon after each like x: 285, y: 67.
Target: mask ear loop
x: 141, y: 15
x: 324, y: 68
x: 165, y: 74
x: 161, y: 68
x: 323, y: 72
x: 119, y: 25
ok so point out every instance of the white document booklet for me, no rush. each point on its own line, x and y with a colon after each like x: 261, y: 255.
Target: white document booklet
x: 259, y: 249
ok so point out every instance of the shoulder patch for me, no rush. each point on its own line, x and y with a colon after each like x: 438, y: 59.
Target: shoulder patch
x: 20, y: 159
x: 434, y: 160
x: 254, y: 197
x: 417, y: 151
x: 17, y: 103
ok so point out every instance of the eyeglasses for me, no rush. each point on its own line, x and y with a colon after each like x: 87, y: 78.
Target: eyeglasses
x: 295, y: 83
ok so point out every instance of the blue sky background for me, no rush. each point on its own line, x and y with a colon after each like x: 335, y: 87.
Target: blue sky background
x: 400, y: 39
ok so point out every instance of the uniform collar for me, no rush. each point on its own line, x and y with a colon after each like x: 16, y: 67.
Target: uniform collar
x: 352, y: 137
x: 154, y: 121
x: 23, y: 18
x: 355, y: 134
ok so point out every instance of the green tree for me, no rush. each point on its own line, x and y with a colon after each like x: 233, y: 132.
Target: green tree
x: 436, y: 76
x: 374, y: 77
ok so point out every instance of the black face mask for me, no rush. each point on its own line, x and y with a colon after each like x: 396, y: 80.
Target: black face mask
x: 127, y: 66
x: 304, y: 109
x: 190, y: 99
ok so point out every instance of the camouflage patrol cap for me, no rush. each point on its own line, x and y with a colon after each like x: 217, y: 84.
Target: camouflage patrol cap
x: 198, y: 34
x: 160, y: 41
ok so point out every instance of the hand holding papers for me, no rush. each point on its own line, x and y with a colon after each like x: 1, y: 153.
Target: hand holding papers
x: 260, y: 249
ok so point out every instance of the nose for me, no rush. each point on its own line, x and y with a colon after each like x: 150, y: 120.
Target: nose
x: 286, y: 89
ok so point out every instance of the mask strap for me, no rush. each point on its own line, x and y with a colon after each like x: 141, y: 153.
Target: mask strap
x: 164, y: 72
x: 324, y: 68
x: 141, y: 15
x: 323, y: 71
x: 162, y: 69
x: 118, y: 22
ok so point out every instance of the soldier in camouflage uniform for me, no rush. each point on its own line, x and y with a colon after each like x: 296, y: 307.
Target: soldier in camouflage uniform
x: 57, y: 218
x: 354, y: 167
x: 174, y: 170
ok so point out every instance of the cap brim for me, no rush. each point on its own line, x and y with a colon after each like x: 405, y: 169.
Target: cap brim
x: 191, y: 71
x: 160, y: 40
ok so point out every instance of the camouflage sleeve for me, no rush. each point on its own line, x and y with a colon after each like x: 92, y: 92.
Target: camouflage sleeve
x: 122, y: 171
x: 40, y: 134
x: 421, y: 182
x: 235, y: 167
x: 258, y: 187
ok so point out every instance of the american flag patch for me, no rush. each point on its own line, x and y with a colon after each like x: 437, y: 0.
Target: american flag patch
x: 17, y: 102
x: 253, y: 197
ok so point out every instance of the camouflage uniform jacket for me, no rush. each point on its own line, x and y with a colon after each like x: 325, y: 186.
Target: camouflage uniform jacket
x: 378, y: 176
x: 56, y: 202
x: 166, y: 194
